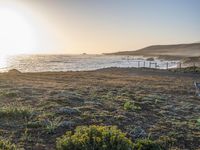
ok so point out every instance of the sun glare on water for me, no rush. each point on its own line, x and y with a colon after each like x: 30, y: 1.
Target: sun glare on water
x: 16, y: 32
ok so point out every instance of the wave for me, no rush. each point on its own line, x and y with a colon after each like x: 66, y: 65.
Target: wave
x: 41, y: 63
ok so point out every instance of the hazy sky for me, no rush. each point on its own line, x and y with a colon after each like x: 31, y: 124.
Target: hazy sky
x: 95, y: 26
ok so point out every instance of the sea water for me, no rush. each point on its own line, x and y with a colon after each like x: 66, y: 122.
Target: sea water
x: 44, y: 63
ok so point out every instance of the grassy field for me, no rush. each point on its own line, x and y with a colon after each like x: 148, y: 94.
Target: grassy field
x: 37, y: 108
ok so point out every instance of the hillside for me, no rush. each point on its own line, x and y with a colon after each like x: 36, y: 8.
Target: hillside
x: 166, y: 50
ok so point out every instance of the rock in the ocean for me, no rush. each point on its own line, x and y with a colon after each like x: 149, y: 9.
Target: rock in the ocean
x: 14, y: 71
x: 150, y: 59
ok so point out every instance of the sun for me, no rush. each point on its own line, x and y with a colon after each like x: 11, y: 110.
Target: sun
x: 17, y: 34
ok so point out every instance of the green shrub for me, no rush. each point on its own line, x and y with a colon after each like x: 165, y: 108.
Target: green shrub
x: 6, y: 145
x: 128, y: 105
x: 8, y: 94
x: 94, y: 138
x: 51, y: 126
x: 198, y: 122
x: 34, y: 124
x: 15, y: 111
x: 146, y: 144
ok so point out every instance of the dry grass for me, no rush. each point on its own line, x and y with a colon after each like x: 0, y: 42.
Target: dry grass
x: 169, y: 111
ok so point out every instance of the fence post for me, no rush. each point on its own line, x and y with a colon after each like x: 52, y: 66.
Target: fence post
x: 156, y: 65
x: 179, y: 65
x: 138, y: 64
x: 167, y: 65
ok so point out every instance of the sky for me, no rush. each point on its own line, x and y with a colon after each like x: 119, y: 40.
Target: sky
x: 95, y: 26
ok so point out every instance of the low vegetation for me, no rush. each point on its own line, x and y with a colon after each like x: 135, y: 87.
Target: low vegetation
x: 192, y: 69
x: 15, y: 111
x: 102, y: 138
x: 130, y: 106
x: 94, y: 138
x: 139, y: 108
x: 146, y: 144
x: 6, y: 145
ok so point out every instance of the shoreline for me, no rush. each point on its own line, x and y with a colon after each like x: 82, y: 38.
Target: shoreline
x: 172, y: 71
x: 63, y: 63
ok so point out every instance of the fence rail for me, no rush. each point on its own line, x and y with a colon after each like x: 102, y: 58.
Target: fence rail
x: 164, y: 65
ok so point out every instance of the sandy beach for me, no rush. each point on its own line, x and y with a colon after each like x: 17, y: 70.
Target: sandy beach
x: 164, y: 104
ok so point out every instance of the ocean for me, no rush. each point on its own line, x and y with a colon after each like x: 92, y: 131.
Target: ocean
x: 44, y: 63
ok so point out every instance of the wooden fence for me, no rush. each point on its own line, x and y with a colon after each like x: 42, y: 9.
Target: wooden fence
x: 166, y: 65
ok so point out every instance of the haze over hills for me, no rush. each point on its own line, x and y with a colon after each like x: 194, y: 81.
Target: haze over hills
x: 185, y: 50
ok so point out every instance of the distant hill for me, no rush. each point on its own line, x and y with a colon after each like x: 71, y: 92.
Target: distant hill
x: 183, y: 50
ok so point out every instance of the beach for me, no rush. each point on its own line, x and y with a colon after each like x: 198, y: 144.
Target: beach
x: 163, y: 105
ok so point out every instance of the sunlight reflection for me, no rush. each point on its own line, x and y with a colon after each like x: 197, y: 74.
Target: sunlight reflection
x: 3, y: 62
